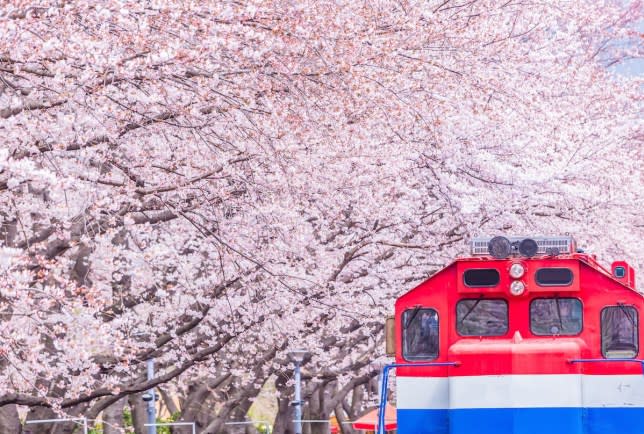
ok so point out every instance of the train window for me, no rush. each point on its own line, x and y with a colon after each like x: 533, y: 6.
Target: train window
x: 554, y: 277
x: 420, y: 334
x: 556, y: 316
x: 482, y: 317
x: 620, y: 329
x: 481, y: 277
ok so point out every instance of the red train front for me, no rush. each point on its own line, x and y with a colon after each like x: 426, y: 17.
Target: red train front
x: 540, y: 337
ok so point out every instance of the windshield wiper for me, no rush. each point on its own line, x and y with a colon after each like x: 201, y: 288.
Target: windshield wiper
x: 559, y: 315
x: 630, y: 319
x: 413, y: 316
x: 628, y: 315
x: 476, y: 303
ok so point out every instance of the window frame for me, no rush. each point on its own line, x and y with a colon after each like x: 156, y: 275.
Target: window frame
x: 403, y: 330
x: 622, y: 272
x: 507, y: 316
x: 581, y: 302
x: 546, y: 285
x: 482, y: 286
x: 636, y: 331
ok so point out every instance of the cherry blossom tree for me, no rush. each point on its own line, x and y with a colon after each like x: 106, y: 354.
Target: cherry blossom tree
x: 212, y: 183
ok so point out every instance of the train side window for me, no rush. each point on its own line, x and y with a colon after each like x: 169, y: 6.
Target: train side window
x: 420, y: 334
x: 554, y: 277
x: 620, y: 331
x: 556, y: 316
x: 481, y: 277
x: 482, y: 317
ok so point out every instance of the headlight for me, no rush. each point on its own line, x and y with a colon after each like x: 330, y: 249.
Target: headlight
x: 516, y: 271
x: 528, y: 247
x: 517, y: 287
x: 499, y: 247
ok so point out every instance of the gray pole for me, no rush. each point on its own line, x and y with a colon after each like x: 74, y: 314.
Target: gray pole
x: 298, y: 400
x: 152, y: 411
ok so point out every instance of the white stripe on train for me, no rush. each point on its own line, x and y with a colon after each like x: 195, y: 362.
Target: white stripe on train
x: 520, y: 391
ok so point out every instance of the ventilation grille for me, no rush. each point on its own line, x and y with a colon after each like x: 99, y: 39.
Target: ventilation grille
x: 565, y: 245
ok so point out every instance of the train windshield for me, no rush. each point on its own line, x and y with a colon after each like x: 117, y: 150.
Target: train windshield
x: 620, y: 329
x: 482, y: 317
x: 420, y: 334
x: 556, y: 316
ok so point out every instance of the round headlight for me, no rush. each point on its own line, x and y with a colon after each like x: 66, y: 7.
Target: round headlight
x: 499, y: 247
x: 528, y: 247
x: 516, y: 271
x: 517, y: 287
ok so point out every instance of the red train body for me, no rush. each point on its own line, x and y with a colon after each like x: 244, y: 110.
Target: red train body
x: 542, y: 342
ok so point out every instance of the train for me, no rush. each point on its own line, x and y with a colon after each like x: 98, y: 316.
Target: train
x: 526, y: 335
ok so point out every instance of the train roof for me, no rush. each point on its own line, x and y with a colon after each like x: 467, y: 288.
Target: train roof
x: 588, y: 260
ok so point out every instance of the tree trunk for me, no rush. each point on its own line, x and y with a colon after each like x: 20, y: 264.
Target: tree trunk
x: 139, y: 413
x: 113, y: 418
x: 250, y: 429
x: 284, y: 419
x: 318, y: 408
x: 9, y: 421
x: 39, y: 413
x: 306, y: 415
x: 169, y: 402
x: 341, y: 416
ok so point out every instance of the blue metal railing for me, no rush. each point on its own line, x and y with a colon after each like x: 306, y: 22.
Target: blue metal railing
x: 385, y: 385
x: 641, y: 362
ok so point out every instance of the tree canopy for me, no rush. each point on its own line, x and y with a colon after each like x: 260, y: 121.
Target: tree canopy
x: 213, y: 183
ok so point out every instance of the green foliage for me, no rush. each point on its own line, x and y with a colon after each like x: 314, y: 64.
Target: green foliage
x: 166, y: 429
x: 97, y: 429
x: 263, y: 429
x: 127, y: 417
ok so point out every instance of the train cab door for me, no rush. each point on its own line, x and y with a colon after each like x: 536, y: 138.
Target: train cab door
x: 614, y: 390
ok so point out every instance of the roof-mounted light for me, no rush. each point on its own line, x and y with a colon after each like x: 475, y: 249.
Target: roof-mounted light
x: 498, y: 246
x: 528, y: 247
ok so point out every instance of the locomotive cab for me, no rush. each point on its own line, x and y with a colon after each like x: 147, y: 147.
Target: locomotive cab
x: 541, y: 339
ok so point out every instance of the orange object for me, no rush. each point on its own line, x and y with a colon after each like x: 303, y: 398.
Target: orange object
x: 335, y: 428
x: 370, y: 420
